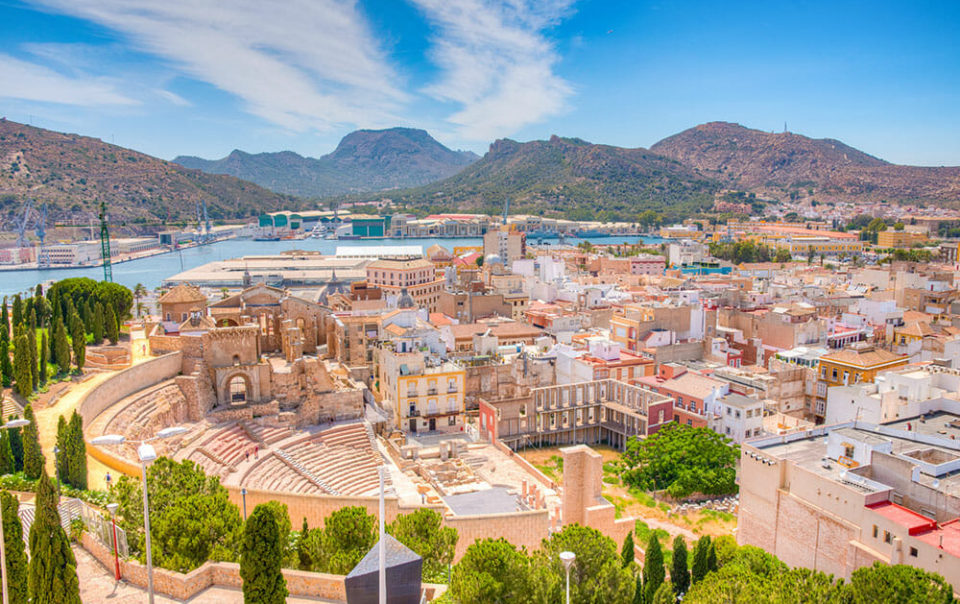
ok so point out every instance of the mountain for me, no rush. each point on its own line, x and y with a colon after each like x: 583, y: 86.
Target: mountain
x: 72, y: 174
x: 364, y: 161
x: 568, y: 177
x: 784, y: 163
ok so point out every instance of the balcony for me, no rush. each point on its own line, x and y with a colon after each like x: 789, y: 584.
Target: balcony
x: 431, y: 392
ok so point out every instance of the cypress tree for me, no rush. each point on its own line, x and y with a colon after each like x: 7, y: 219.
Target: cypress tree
x: 712, y: 558
x: 61, y: 347
x: 16, y: 445
x: 303, y: 551
x: 32, y: 454
x: 679, y: 573
x: 261, y: 556
x: 76, y: 453
x: 62, y: 457
x: 653, y: 571
x: 5, y: 318
x: 52, y: 573
x: 34, y: 358
x: 110, y: 327
x: 22, y: 372
x: 17, y: 311
x: 638, y: 590
x: 87, y: 315
x: 44, y: 355
x: 7, y: 465
x: 79, y: 340
x: 6, y: 366
x: 700, y: 553
x: 98, y: 324
x: 627, y: 554
x: 15, y: 550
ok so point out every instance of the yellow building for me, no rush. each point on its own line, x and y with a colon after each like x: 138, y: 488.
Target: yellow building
x: 890, y: 238
x: 858, y: 362
x: 431, y: 399
x: 802, y: 245
x: 911, y: 332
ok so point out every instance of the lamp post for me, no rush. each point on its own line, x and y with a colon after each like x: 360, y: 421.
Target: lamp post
x: 56, y: 466
x: 112, y: 508
x: 12, y: 424
x: 147, y: 454
x: 567, y: 558
x: 243, y: 494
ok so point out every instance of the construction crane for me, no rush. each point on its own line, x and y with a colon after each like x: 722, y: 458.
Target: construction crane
x: 22, y: 225
x: 105, y: 243
x: 41, y: 232
x: 206, y: 222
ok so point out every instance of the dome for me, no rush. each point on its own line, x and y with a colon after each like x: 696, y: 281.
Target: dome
x: 493, y: 259
x: 406, y: 300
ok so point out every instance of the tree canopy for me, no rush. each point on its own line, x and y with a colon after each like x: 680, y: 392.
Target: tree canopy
x: 682, y: 460
x: 423, y: 532
x: 261, y: 557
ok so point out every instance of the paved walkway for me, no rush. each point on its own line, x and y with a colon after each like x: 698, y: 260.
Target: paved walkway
x: 98, y: 585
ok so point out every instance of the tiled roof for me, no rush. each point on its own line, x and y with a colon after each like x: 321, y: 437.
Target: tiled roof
x: 181, y: 294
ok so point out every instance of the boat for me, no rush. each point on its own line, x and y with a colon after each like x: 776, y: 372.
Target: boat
x: 267, y: 238
x: 588, y: 233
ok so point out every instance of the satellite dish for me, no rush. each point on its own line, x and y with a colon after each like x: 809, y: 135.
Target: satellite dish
x: 936, y: 483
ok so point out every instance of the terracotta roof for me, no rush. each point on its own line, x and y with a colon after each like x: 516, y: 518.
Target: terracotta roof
x: 916, y: 328
x: 181, y: 294
x: 867, y: 356
x: 692, y: 384
x: 501, y: 330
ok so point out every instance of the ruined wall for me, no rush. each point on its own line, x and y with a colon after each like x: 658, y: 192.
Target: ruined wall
x: 126, y: 382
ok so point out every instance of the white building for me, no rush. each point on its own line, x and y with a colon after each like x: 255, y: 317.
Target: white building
x: 739, y: 418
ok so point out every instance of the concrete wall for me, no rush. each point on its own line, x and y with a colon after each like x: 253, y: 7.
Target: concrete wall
x: 126, y: 382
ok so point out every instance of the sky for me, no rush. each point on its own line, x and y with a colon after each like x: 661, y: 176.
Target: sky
x: 204, y: 77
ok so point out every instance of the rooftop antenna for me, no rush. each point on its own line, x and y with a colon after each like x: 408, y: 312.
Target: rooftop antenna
x: 785, y: 127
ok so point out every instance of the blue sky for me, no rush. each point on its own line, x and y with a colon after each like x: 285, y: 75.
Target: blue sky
x: 202, y: 77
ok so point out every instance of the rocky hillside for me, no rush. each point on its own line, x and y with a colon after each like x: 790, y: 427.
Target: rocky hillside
x: 571, y: 178
x: 364, y: 161
x: 784, y: 163
x: 72, y: 174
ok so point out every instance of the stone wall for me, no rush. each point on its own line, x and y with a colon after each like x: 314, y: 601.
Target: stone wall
x: 126, y: 382
x: 164, y: 344
x: 227, y: 574
x: 526, y: 529
x: 526, y: 465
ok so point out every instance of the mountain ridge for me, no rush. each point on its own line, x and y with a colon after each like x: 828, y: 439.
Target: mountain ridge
x: 363, y: 161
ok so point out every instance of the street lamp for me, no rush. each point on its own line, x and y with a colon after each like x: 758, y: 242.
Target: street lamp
x: 112, y: 508
x: 56, y: 467
x: 243, y: 494
x: 10, y: 425
x: 567, y: 558
x: 146, y: 453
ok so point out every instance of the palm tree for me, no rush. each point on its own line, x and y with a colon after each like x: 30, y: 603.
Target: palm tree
x: 139, y: 292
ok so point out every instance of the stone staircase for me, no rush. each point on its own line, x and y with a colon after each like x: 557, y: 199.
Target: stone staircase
x: 298, y: 467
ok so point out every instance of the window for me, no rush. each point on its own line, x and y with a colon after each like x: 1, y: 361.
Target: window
x: 887, y: 537
x: 452, y: 420
x: 848, y: 451
x: 876, y: 531
x: 689, y: 422
x: 913, y: 552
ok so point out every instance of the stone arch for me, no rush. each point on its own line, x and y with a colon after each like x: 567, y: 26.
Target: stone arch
x: 237, y: 388
x: 227, y: 323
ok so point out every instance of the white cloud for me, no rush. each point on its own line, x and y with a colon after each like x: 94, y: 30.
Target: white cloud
x: 497, y: 63
x: 300, y: 64
x: 32, y: 82
x: 172, y: 97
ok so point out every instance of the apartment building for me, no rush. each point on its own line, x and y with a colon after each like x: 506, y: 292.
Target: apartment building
x: 859, y: 362
x: 415, y: 277
x: 695, y: 396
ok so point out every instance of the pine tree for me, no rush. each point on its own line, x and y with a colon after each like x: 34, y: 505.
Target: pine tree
x: 76, y: 453
x: 653, y: 571
x: 627, y: 554
x: 98, y: 324
x: 16, y: 445
x: 14, y: 549
x: 52, y: 573
x: 61, y: 348
x: 110, y: 328
x: 6, y: 366
x: 261, y: 556
x: 62, y: 456
x: 679, y: 573
x: 79, y: 343
x: 34, y: 358
x: 700, y: 553
x: 7, y: 465
x: 32, y: 454
x: 17, y: 311
x: 22, y: 372
x: 44, y: 355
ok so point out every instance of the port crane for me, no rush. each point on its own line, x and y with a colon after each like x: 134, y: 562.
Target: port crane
x: 22, y: 223
x: 105, y: 243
